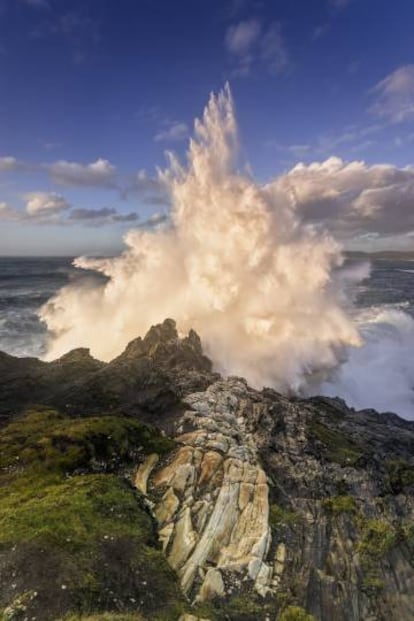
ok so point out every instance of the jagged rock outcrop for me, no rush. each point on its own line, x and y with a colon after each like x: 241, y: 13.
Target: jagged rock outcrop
x: 213, y: 514
x: 289, y: 498
x: 264, y: 506
x: 148, y: 379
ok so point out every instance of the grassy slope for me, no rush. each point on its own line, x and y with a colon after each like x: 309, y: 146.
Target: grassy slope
x: 75, y: 536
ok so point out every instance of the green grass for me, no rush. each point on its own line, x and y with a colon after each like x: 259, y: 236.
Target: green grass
x: 47, y: 440
x: 72, y: 513
x: 67, y: 509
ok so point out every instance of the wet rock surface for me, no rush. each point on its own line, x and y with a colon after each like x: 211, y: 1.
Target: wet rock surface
x: 264, y: 506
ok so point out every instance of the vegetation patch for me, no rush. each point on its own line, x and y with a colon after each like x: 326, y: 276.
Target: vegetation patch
x: 336, y: 446
x: 279, y: 516
x: 407, y: 533
x: 46, y: 440
x: 17, y: 608
x: 400, y: 475
x: 378, y: 538
x: 295, y: 613
x: 74, y: 532
x: 109, y: 616
x: 339, y: 504
x: 246, y: 607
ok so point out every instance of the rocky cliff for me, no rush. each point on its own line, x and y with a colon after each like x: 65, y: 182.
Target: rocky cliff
x: 152, y: 488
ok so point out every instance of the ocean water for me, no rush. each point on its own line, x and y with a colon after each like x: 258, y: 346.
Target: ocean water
x: 25, y: 285
x: 380, y: 374
x: 391, y: 284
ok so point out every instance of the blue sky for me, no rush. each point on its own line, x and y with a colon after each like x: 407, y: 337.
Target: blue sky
x: 94, y: 92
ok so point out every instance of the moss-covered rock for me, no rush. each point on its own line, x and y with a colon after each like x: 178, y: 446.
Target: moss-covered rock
x: 378, y: 537
x: 280, y: 516
x: 295, y: 613
x: 339, y: 504
x: 74, y: 533
x: 110, y: 616
x: 400, y: 475
x: 46, y: 440
x: 335, y: 446
x: 246, y: 607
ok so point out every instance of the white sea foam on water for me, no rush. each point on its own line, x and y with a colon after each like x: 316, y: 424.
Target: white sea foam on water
x: 267, y: 293
x: 380, y: 374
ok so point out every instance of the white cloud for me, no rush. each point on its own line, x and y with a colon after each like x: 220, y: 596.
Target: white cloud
x: 96, y: 174
x: 352, y: 138
x: 8, y: 213
x: 299, y: 150
x: 50, y: 208
x: 151, y: 190
x: 104, y: 215
x: 155, y: 220
x: 395, y: 96
x: 40, y: 208
x: 100, y: 173
x: 352, y: 198
x: 51, y: 146
x: 241, y: 37
x: 273, y: 49
x: 142, y: 181
x: 8, y: 164
x: 336, y: 6
x: 174, y: 133
x: 91, y: 214
x: 249, y: 42
x: 45, y: 204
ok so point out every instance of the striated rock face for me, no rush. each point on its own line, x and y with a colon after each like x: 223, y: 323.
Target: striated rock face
x: 346, y: 480
x: 266, y: 508
x: 305, y: 501
x: 213, y: 497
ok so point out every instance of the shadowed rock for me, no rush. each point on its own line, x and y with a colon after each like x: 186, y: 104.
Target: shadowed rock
x: 148, y: 378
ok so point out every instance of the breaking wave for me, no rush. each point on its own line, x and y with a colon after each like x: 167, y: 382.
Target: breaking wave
x: 267, y: 293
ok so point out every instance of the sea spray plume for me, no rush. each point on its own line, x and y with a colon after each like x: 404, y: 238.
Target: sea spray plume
x: 236, y: 264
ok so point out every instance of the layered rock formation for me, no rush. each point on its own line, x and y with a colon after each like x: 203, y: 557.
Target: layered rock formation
x: 265, y: 507
x: 213, y: 514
